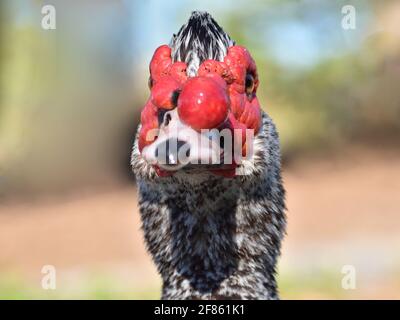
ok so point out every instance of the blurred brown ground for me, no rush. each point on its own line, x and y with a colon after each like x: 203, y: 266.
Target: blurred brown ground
x: 342, y: 209
x: 70, y: 102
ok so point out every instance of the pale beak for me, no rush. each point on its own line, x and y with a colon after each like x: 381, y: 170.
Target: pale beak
x: 178, y: 146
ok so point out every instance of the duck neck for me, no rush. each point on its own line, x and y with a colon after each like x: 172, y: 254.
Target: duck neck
x: 218, y: 244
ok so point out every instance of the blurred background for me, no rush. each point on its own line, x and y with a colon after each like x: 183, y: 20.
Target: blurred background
x: 70, y: 100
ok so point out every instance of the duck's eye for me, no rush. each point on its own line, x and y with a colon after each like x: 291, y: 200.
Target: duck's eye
x: 249, y: 83
x: 150, y: 82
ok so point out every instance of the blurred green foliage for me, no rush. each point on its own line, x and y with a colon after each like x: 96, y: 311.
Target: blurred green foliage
x: 320, y: 283
x: 347, y: 96
x: 71, y: 97
x: 98, y: 287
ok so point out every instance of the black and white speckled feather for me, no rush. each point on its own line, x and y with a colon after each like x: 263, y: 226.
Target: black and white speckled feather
x: 213, y: 237
x: 199, y: 39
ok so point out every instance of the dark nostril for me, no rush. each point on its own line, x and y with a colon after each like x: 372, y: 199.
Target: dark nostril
x: 156, y: 153
x: 164, y: 117
x: 168, y: 152
x: 161, y: 116
x: 167, y: 119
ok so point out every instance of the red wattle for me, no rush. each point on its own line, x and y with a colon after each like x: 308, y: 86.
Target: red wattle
x: 161, y: 62
x: 227, y: 173
x: 203, y: 103
x: 216, y: 98
x: 163, y: 91
x: 218, y: 67
x: 251, y: 115
x: 163, y: 173
x: 238, y: 128
x: 178, y: 72
x: 217, y: 78
x: 149, y: 121
x: 238, y: 102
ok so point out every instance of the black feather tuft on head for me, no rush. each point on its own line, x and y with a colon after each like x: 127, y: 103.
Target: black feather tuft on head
x: 201, y: 38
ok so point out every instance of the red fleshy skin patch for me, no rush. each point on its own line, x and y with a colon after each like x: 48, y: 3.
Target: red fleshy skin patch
x: 162, y: 93
x: 163, y: 173
x: 243, y: 105
x: 216, y: 98
x: 203, y: 103
x: 160, y: 63
x: 178, y: 72
x: 149, y: 121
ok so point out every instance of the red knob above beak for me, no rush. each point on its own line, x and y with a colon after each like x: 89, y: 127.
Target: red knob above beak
x: 203, y: 103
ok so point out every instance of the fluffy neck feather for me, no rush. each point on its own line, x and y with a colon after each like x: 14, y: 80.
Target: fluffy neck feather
x: 217, y: 238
